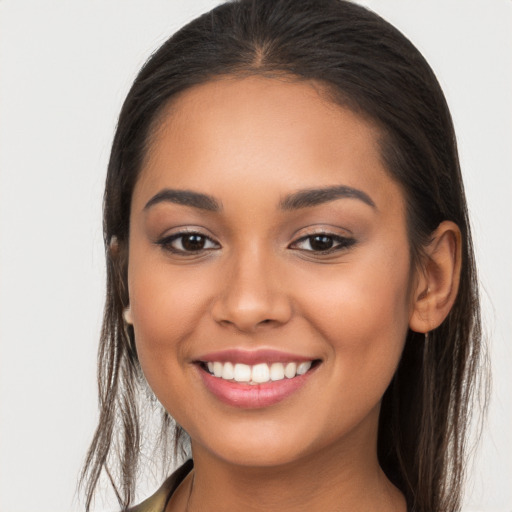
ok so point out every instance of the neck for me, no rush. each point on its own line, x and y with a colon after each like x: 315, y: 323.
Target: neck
x: 340, y: 477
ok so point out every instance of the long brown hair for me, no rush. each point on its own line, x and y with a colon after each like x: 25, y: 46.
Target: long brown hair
x: 373, y: 69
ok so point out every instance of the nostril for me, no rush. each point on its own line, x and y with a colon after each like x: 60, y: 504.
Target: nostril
x: 248, y: 311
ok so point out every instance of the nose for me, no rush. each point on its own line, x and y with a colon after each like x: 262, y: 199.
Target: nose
x: 253, y: 295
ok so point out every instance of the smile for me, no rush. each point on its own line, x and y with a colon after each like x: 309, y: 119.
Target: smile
x: 254, y: 379
x: 258, y: 373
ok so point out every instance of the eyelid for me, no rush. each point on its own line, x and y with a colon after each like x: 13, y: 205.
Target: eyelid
x: 165, y: 241
x: 343, y: 242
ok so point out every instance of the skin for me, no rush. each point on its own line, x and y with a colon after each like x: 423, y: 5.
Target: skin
x: 258, y: 284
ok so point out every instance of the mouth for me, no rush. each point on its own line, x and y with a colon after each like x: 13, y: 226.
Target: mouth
x: 254, y: 379
x: 260, y: 373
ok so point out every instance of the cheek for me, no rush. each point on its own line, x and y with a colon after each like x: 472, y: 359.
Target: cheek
x: 167, y: 307
x: 362, y: 310
x: 166, y: 303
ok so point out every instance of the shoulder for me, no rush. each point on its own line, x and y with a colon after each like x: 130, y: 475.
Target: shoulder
x: 158, y: 501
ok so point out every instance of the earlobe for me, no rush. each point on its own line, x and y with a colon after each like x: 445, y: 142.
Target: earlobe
x: 113, y: 246
x: 438, y: 281
x: 117, y: 255
x: 127, y: 315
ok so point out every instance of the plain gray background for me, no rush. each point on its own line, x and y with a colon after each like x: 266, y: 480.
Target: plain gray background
x: 65, y: 67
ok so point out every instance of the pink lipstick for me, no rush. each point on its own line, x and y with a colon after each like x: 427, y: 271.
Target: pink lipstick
x: 254, y: 379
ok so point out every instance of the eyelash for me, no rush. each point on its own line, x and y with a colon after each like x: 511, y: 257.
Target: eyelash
x: 339, y: 243
x: 166, y: 243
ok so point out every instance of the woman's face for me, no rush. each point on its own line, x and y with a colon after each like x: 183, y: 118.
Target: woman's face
x: 264, y: 232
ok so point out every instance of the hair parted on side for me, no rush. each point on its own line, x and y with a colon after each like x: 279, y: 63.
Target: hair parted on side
x: 369, y: 66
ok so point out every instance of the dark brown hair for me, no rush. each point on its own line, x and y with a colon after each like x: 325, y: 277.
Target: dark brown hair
x: 373, y: 69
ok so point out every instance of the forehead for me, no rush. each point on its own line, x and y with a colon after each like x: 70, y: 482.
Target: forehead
x: 258, y: 131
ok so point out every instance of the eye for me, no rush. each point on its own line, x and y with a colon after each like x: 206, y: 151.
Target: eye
x: 323, y: 243
x: 189, y: 242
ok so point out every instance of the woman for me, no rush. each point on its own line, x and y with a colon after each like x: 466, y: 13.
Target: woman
x: 290, y: 268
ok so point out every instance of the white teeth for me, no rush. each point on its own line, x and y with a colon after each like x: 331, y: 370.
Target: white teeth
x: 303, y: 368
x: 242, y: 372
x: 228, y: 372
x: 217, y: 369
x: 276, y: 371
x: 291, y: 370
x: 259, y: 373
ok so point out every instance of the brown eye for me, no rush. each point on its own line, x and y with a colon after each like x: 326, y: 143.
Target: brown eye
x: 193, y: 242
x: 183, y: 243
x: 323, y: 243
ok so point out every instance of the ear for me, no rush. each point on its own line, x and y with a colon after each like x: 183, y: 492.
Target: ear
x: 118, y: 255
x: 113, y: 247
x: 437, y: 282
x: 127, y: 315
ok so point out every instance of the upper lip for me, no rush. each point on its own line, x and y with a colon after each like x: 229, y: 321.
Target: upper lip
x: 252, y: 357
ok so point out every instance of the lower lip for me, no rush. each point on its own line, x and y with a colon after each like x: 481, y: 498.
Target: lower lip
x: 253, y: 396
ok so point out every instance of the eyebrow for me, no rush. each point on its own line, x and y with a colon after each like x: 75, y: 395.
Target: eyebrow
x: 316, y: 196
x: 186, y: 198
x: 297, y: 200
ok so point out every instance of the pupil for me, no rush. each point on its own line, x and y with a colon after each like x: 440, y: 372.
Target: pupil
x: 321, y: 242
x: 193, y: 242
